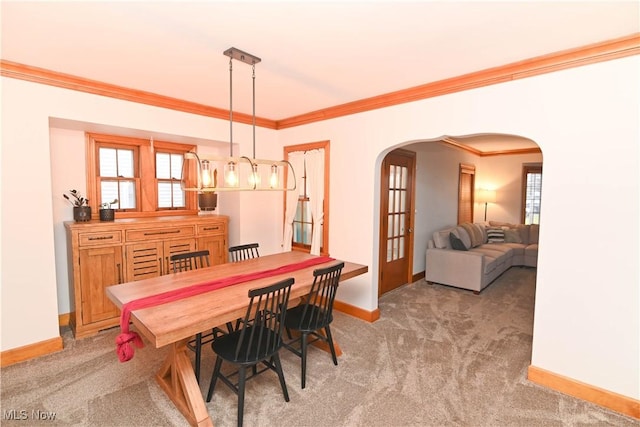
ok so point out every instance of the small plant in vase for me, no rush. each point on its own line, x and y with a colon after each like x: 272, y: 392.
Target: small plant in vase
x: 81, y: 208
x: 107, y: 213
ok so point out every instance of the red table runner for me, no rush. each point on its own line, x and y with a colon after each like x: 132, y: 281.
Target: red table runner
x: 126, y: 338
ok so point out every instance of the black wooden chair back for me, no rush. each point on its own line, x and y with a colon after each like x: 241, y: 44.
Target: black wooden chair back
x: 189, y: 261
x: 243, y: 252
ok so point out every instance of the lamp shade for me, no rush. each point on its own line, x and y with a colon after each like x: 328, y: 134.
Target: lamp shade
x: 486, y: 196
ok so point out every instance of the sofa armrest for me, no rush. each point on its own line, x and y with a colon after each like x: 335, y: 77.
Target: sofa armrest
x: 462, y: 269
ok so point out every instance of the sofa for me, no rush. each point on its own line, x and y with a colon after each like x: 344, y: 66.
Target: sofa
x: 472, y: 255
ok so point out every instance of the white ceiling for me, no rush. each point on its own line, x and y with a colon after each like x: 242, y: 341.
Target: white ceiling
x: 314, y: 54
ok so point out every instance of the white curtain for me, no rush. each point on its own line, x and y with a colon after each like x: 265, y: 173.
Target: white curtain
x: 315, y: 186
x: 297, y: 163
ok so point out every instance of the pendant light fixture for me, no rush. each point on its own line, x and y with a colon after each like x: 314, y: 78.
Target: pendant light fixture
x: 199, y: 171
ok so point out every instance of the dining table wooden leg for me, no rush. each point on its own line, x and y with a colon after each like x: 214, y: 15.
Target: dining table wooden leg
x: 178, y: 380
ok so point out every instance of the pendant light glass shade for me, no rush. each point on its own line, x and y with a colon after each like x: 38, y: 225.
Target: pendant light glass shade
x: 199, y: 171
x: 240, y: 174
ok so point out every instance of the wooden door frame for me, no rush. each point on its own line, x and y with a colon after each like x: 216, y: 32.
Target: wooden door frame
x: 385, y: 195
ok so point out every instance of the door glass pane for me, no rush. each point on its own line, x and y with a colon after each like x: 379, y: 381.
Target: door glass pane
x: 403, y: 174
x: 396, y: 226
x: 395, y: 249
x: 403, y: 203
x: 391, y: 192
x: 392, y: 174
x: 390, y: 225
x: 389, y: 249
x: 401, y: 247
x: 401, y: 221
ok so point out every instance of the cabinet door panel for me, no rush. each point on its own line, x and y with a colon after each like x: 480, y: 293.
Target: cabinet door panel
x: 217, y: 248
x: 144, y: 260
x: 177, y: 246
x: 99, y: 268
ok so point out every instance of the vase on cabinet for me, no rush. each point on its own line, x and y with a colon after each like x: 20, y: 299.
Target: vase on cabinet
x: 107, y: 214
x: 82, y: 213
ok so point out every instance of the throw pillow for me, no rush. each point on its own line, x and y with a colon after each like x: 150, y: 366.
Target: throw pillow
x: 495, y: 235
x: 457, y: 243
x: 474, y: 233
x: 512, y: 236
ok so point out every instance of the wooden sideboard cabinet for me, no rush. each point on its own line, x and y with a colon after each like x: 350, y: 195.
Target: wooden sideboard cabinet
x: 102, y: 254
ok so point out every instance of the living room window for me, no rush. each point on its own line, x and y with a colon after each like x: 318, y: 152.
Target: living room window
x: 144, y: 175
x: 531, y: 193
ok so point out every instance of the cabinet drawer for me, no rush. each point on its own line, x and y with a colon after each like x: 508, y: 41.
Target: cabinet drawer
x: 212, y: 229
x: 159, y: 233
x: 100, y: 238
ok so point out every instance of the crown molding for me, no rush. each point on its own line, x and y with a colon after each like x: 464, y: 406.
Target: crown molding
x: 585, y: 55
x: 590, y: 54
x: 53, y: 78
x: 453, y: 143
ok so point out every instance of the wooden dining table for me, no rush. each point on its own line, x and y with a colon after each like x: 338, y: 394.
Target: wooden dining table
x: 174, y: 323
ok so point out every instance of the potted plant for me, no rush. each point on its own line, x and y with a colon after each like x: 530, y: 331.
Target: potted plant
x: 81, y: 208
x: 107, y: 213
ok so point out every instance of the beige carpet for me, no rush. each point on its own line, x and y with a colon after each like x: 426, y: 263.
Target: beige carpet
x: 438, y: 356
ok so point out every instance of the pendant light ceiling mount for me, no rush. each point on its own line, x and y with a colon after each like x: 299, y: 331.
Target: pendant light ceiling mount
x: 241, y: 56
x: 199, y: 171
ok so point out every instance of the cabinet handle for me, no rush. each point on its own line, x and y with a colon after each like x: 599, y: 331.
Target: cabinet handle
x: 211, y: 228
x: 101, y: 238
x: 160, y: 262
x: 155, y: 233
x: 119, y: 273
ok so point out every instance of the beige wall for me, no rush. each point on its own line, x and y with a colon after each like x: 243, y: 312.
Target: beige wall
x: 587, y: 305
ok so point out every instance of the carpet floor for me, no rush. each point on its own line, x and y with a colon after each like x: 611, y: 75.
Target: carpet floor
x: 438, y: 356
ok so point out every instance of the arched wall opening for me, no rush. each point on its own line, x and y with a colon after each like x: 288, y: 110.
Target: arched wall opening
x: 436, y: 186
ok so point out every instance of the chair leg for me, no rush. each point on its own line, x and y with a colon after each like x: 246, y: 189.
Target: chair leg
x: 330, y: 341
x: 283, y: 384
x: 242, y: 374
x: 214, y: 378
x: 303, y: 350
x: 198, y: 355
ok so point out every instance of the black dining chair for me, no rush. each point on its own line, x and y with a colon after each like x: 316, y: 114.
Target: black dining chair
x: 314, y: 315
x: 243, y: 252
x: 257, y: 340
x: 186, y: 261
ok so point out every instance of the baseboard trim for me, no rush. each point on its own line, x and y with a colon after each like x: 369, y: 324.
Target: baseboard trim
x: 352, y: 310
x: 608, y: 399
x: 31, y: 351
x: 418, y: 276
x: 63, y: 319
